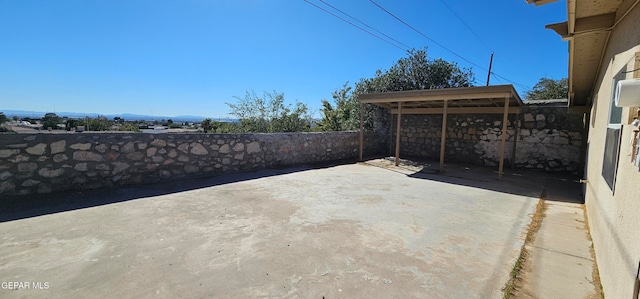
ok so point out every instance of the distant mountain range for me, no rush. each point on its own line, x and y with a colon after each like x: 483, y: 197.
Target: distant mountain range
x: 125, y: 116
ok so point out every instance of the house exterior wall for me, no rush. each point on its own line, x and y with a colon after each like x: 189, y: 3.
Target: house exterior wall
x: 614, y: 216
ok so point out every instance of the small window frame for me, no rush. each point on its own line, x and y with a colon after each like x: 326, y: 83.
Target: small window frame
x: 613, y: 135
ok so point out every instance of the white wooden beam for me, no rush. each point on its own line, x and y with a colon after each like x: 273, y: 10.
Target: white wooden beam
x: 504, y: 137
x: 516, y: 134
x: 398, y: 134
x: 443, y: 138
x: 382, y: 98
x: 361, y: 130
x: 456, y: 110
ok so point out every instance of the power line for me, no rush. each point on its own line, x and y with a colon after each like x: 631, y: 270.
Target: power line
x: 354, y: 25
x: 425, y: 36
x: 481, y: 40
x: 406, y: 48
x: 442, y: 46
x: 513, y: 82
x: 465, y: 24
x: 376, y: 30
x: 494, y: 76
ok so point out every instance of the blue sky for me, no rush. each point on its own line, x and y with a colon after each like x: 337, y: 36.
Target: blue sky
x: 189, y: 57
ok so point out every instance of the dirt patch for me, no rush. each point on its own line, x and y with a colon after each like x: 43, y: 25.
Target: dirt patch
x: 595, y: 275
x: 523, y: 263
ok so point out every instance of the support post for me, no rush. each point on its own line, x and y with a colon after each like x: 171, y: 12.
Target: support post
x: 361, y: 129
x: 391, y: 133
x: 516, y: 136
x: 505, y: 119
x: 443, y: 137
x: 398, y: 134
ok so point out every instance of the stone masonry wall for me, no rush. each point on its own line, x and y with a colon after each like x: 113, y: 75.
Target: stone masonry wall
x: 43, y: 163
x: 549, y: 138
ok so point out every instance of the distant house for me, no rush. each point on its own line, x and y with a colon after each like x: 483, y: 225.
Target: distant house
x: 604, y: 49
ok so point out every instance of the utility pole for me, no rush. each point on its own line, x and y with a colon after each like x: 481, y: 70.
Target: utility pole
x: 490, y: 65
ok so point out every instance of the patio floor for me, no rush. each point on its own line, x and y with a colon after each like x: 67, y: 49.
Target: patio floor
x: 366, y: 230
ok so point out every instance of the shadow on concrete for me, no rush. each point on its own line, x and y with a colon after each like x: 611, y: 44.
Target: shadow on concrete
x: 555, y: 187
x: 526, y: 183
x: 540, y: 185
x: 21, y: 207
x: 533, y: 184
x: 563, y: 190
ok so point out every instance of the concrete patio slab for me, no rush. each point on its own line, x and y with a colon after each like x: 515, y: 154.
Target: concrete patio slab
x: 564, y: 231
x: 345, y: 231
x: 561, y: 264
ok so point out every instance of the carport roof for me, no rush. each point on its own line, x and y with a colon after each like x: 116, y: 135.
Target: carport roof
x: 481, y: 99
x: 502, y: 99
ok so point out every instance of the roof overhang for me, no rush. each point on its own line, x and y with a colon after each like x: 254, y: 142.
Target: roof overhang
x: 462, y: 100
x: 587, y: 29
x: 540, y: 2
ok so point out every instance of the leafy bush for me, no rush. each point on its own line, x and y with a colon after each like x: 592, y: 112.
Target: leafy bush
x: 129, y: 127
x: 269, y: 114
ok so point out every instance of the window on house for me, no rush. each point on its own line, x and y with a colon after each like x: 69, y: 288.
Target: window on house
x: 612, y: 139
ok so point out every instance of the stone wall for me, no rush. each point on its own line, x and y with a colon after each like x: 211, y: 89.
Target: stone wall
x: 43, y: 163
x: 549, y: 138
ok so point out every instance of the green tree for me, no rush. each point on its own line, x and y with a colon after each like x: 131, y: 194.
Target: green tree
x: 413, y: 72
x: 100, y: 123
x: 269, y: 113
x: 210, y: 126
x: 345, y: 115
x: 51, y: 120
x: 71, y: 123
x: 227, y: 127
x: 207, y: 125
x: 3, y: 119
x: 547, y: 89
x: 292, y: 119
x: 16, y: 118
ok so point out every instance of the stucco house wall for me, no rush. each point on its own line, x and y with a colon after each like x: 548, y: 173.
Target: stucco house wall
x: 614, y: 216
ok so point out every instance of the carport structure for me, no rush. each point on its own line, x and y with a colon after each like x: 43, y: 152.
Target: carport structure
x: 497, y: 99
